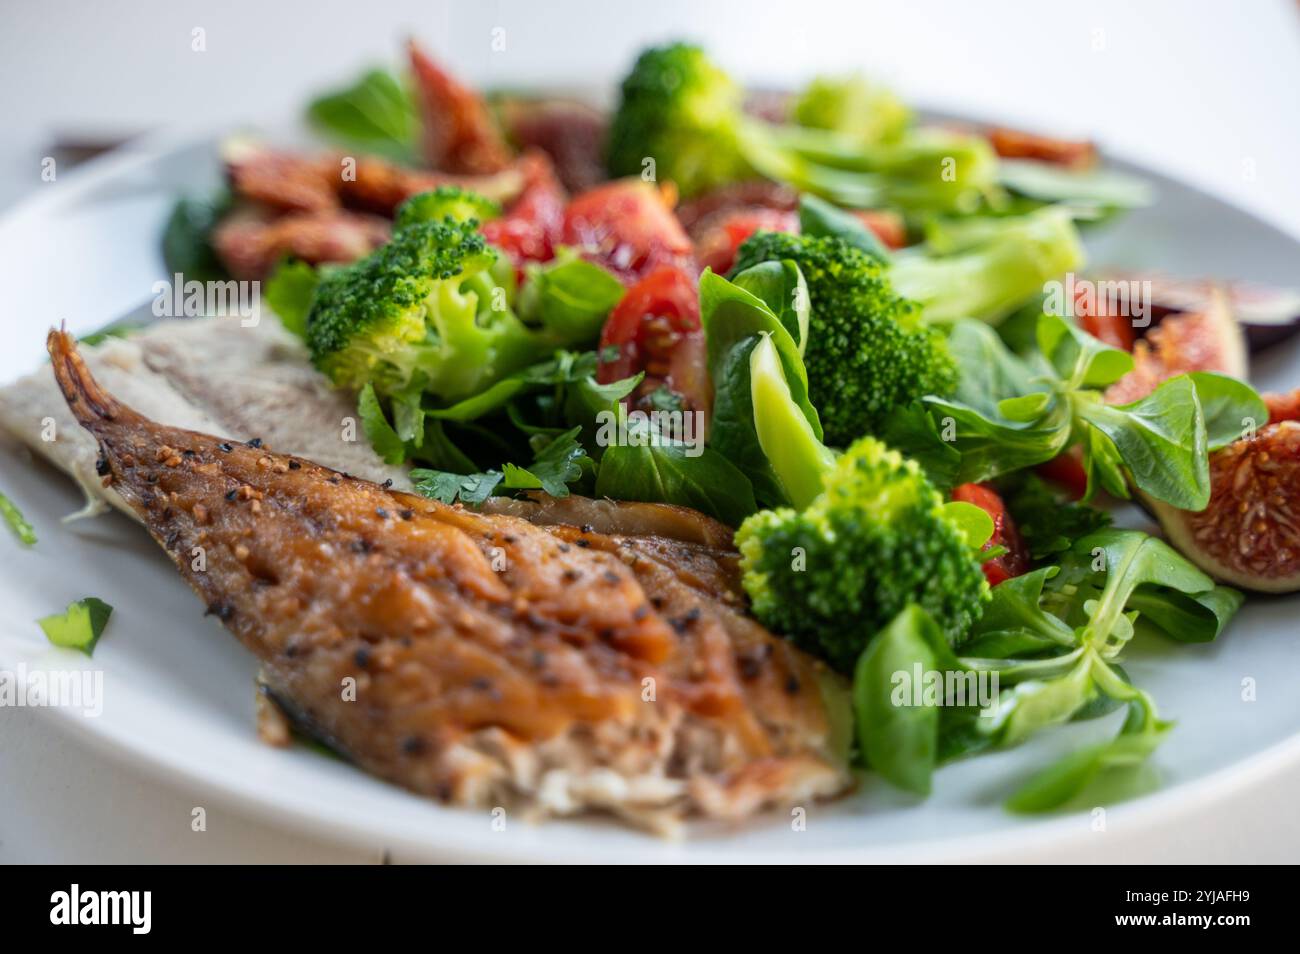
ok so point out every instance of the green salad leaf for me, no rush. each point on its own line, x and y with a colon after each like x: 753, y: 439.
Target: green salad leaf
x: 385, y: 440
x: 187, y: 238
x: 898, y: 739
x: 376, y: 113
x: 1053, y: 637
x: 571, y: 297
x: 819, y: 217
x: 23, y: 530
x: 79, y: 626
x: 1039, y: 406
x: 660, y: 471
x: 289, y: 292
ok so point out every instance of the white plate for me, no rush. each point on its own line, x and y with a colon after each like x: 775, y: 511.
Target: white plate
x: 178, y: 691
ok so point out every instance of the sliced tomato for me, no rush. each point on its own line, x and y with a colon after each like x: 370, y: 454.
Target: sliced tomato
x: 628, y: 226
x: 532, y: 225
x: 1066, y: 471
x: 656, y: 329
x: 1283, y: 407
x: 720, y: 239
x: 1005, y: 533
x: 1094, y: 318
x: 1018, y: 144
x: 888, y: 225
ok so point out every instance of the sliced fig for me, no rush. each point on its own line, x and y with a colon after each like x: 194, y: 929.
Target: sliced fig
x: 1268, y: 315
x: 1283, y: 407
x: 1208, y: 340
x: 1249, y: 535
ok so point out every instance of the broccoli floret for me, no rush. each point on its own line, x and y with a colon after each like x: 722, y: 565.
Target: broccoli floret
x: 854, y: 106
x: 684, y: 112
x: 425, y: 305
x: 681, y: 110
x: 446, y: 202
x: 986, y: 268
x: 869, y: 353
x: 876, y: 539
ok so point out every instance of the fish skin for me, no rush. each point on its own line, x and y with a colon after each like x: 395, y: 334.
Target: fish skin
x: 482, y: 652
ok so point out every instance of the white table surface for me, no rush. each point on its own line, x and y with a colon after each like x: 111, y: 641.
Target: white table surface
x: 1209, y: 92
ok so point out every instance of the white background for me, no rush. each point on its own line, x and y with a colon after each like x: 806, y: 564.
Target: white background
x: 1209, y: 92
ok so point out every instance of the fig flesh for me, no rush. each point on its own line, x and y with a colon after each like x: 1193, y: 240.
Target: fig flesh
x: 1249, y: 535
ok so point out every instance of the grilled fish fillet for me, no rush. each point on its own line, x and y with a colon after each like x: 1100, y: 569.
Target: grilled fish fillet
x: 480, y: 658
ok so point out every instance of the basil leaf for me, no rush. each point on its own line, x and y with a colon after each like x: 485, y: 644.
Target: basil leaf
x: 376, y: 113
x: 1014, y: 606
x: 990, y: 373
x: 1161, y: 440
x: 899, y: 740
x: 821, y: 218
x: 1035, y: 704
x: 1184, y: 617
x: 1232, y: 408
x: 780, y: 286
x: 289, y: 292
x: 730, y: 313
x: 570, y: 299
x: 1080, y: 360
x: 667, y: 473
x: 991, y: 445
x: 187, y: 239
x: 1069, y: 777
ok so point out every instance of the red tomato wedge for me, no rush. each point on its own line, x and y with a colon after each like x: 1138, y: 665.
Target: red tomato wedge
x: 628, y: 226
x: 720, y: 235
x: 1005, y: 534
x: 1095, y: 318
x: 531, y: 226
x: 1066, y: 471
x: 656, y: 329
x: 717, y: 246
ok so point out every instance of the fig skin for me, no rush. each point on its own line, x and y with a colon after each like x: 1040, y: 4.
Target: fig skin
x: 1249, y: 534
